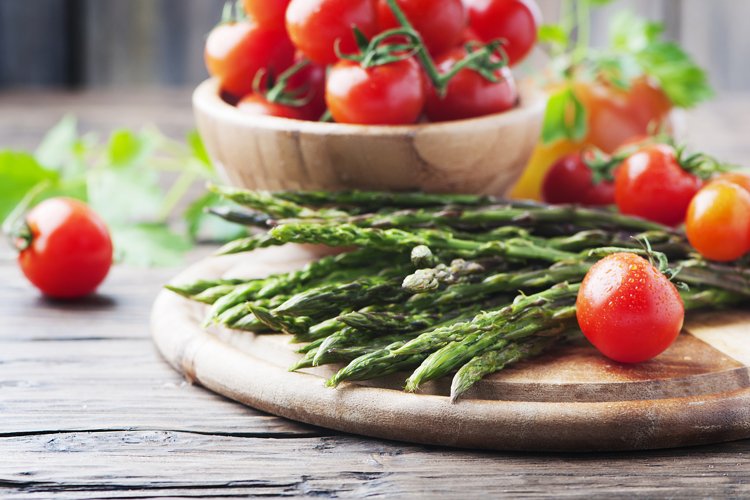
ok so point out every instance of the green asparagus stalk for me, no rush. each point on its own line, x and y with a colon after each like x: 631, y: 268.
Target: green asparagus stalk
x: 335, y: 297
x: 496, y: 360
x: 545, y: 321
x: 391, y: 239
x: 190, y: 290
x: 419, y: 348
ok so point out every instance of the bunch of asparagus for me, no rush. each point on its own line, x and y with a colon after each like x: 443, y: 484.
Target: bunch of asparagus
x: 435, y: 284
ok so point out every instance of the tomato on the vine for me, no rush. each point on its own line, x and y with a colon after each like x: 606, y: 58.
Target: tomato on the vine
x: 628, y: 309
x: 236, y: 51
x: 387, y: 94
x: 651, y: 184
x: 440, y: 22
x: 316, y: 26
x: 515, y: 21
x: 310, y: 82
x: 267, y: 12
x: 570, y: 180
x: 256, y: 104
x: 469, y: 94
x: 65, y: 248
x: 718, y: 221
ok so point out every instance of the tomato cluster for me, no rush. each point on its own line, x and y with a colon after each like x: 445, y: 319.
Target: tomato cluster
x: 653, y: 182
x: 299, y: 58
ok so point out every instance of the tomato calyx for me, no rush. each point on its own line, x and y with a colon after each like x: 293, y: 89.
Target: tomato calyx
x: 602, y: 165
x: 701, y: 165
x: 233, y: 12
x: 21, y: 236
x: 379, y: 51
x: 277, y: 89
x: 484, y: 59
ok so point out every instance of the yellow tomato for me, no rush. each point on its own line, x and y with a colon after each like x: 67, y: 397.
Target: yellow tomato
x: 530, y: 185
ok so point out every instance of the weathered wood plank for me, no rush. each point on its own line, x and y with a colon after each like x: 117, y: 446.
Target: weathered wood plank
x: 133, y: 464
x: 61, y: 371
x: 109, y: 384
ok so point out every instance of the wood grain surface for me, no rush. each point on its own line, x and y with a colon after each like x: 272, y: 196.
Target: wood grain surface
x: 89, y: 409
x: 480, y: 155
x: 571, y: 399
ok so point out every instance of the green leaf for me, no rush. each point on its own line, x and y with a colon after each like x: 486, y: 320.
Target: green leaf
x: 629, y: 33
x: 59, y: 144
x: 202, y: 224
x: 121, y: 195
x: 198, y: 149
x: 553, y: 34
x: 127, y: 148
x: 565, y: 118
x: 684, y: 82
x: 19, y: 173
x: 148, y: 245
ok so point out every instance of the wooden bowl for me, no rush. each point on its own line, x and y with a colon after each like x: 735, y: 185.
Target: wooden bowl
x: 482, y: 155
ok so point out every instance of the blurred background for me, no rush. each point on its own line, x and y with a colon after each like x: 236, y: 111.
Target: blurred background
x: 126, y: 43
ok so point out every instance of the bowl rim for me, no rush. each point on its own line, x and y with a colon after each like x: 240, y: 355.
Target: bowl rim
x: 207, y: 99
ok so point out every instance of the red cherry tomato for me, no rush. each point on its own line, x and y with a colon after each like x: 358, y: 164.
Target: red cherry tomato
x: 629, y: 310
x: 311, y: 82
x: 267, y: 12
x: 515, y: 21
x: 469, y: 94
x: 235, y: 52
x: 570, y: 180
x: 69, y: 250
x: 390, y: 94
x: 651, y: 184
x: 316, y: 25
x: 718, y: 221
x: 256, y: 104
x: 440, y: 22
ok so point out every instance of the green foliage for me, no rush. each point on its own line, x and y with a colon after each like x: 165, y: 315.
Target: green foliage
x: 636, y: 48
x: 565, y: 117
x: 123, y: 180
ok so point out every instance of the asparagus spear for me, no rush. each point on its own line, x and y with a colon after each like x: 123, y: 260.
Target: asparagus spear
x: 496, y: 360
x: 545, y: 321
x: 190, y: 290
x: 392, y: 239
x: 416, y: 350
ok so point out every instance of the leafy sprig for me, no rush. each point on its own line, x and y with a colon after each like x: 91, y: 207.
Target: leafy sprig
x: 139, y: 182
x: 636, y: 49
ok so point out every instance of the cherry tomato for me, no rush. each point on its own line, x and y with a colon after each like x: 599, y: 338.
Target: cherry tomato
x: 68, y: 252
x: 389, y: 94
x: 718, y: 221
x: 570, y: 180
x: 629, y: 310
x: 651, y: 184
x: 316, y: 25
x: 738, y: 178
x: 515, y: 21
x: 615, y: 117
x: 267, y: 12
x: 469, y: 94
x: 256, y: 104
x: 311, y: 82
x: 235, y: 52
x: 440, y: 22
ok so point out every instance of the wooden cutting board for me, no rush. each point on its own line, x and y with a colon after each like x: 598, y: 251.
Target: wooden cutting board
x: 697, y: 392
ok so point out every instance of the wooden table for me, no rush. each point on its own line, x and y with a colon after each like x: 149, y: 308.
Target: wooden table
x: 88, y: 408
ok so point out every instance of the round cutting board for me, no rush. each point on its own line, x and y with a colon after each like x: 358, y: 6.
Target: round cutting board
x: 697, y: 392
